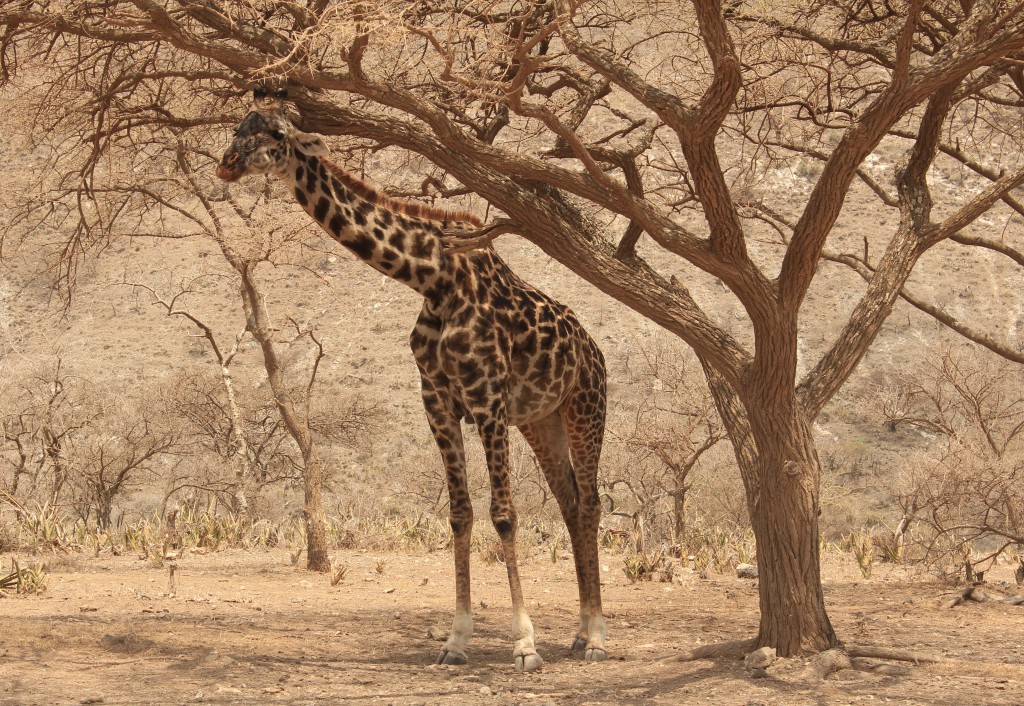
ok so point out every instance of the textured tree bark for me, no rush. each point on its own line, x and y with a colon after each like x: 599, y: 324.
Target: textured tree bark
x: 779, y: 465
x: 317, y: 558
x: 242, y: 493
x: 784, y: 516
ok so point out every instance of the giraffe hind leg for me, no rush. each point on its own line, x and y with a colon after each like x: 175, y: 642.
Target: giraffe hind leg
x: 583, y: 417
x: 549, y: 441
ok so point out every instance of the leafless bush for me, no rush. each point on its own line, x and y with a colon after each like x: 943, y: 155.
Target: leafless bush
x: 665, y: 439
x: 123, y: 442
x: 70, y: 444
x: 962, y: 499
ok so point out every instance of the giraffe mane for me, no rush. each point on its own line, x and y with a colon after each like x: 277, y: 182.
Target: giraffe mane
x: 414, y: 209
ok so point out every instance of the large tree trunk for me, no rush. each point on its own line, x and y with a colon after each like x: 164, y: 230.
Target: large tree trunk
x: 779, y: 465
x: 784, y: 516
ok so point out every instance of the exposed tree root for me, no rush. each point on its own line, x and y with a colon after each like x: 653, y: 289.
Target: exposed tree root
x: 732, y: 648
x: 975, y: 593
x: 857, y: 656
x: 822, y: 664
x: 890, y: 653
x: 890, y: 670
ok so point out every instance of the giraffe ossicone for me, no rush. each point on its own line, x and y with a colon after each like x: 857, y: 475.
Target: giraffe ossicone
x: 490, y: 348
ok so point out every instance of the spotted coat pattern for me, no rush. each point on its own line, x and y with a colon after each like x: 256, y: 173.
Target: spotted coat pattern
x: 491, y: 349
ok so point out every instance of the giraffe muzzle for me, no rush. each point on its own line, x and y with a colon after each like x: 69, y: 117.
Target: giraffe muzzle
x: 228, y: 170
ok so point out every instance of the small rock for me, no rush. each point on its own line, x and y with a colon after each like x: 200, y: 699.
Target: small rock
x: 746, y: 571
x: 389, y: 590
x: 760, y: 659
x: 758, y: 673
x: 485, y: 691
x: 92, y: 700
x: 435, y: 633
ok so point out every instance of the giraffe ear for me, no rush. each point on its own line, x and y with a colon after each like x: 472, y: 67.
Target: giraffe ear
x: 310, y: 144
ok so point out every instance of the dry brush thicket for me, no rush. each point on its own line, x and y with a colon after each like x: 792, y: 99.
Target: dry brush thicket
x: 766, y: 182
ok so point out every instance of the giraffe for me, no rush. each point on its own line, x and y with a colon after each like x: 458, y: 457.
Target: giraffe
x: 490, y: 349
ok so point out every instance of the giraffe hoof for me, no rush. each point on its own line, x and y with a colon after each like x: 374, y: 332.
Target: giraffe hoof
x: 528, y: 662
x: 579, y: 644
x: 446, y: 657
x: 595, y: 654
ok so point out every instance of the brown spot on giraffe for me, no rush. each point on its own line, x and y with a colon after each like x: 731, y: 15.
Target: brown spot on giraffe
x: 490, y: 348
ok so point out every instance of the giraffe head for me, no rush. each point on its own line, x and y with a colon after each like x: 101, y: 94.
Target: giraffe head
x: 266, y: 141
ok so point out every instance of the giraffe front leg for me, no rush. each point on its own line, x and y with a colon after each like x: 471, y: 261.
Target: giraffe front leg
x: 447, y: 430
x: 524, y: 652
x: 454, y: 649
x: 494, y: 434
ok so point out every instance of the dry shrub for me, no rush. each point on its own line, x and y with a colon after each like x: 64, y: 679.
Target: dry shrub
x: 648, y: 566
x: 962, y: 499
x: 660, y: 441
x: 25, y: 581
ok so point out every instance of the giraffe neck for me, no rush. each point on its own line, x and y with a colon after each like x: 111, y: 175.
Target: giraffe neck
x: 404, y: 247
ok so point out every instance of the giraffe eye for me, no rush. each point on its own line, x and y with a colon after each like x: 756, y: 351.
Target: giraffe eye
x: 277, y: 134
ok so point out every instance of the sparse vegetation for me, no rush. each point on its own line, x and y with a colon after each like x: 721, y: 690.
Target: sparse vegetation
x: 863, y: 548
x: 25, y: 581
x: 648, y: 566
x: 339, y: 571
x: 961, y: 497
x: 648, y: 148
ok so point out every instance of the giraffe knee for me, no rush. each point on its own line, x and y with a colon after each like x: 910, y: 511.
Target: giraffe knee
x: 506, y: 528
x: 505, y: 522
x: 460, y: 524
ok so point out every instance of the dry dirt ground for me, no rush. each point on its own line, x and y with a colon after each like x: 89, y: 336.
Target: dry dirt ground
x: 249, y: 628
